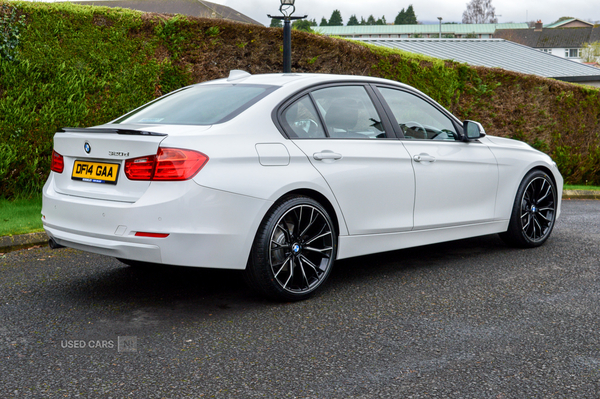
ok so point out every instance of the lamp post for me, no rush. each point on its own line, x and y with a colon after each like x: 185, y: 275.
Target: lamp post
x: 287, y: 8
x: 440, y: 18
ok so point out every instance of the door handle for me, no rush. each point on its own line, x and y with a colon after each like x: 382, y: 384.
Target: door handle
x: 320, y: 156
x: 424, y: 158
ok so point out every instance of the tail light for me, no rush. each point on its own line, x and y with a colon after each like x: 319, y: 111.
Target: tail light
x: 169, y: 164
x: 58, y: 162
x: 151, y: 235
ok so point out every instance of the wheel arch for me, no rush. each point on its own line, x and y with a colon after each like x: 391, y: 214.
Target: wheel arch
x: 321, y: 199
x: 545, y: 170
x: 518, y: 234
x: 263, y: 279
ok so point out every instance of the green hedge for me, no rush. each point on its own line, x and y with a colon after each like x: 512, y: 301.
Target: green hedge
x: 75, y: 66
x: 70, y: 65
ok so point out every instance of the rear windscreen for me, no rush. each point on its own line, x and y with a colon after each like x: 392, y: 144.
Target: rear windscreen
x: 198, y: 105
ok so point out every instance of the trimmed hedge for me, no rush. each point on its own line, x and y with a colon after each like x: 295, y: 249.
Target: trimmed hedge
x: 73, y: 65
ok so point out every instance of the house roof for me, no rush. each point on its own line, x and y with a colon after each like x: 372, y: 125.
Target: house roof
x: 495, y: 53
x: 551, y: 38
x: 567, y: 22
x: 460, y: 29
x: 193, y: 8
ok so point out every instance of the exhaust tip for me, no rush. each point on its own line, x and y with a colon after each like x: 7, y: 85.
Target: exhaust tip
x: 53, y: 244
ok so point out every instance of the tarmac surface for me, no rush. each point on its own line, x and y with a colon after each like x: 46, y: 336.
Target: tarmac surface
x: 465, y: 319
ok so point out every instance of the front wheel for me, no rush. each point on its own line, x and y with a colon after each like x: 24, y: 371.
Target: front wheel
x: 534, y: 211
x: 294, y: 250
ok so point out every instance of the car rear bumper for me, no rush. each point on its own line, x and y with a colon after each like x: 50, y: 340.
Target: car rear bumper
x: 205, y: 227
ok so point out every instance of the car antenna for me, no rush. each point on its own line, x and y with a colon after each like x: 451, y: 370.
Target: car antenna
x: 236, y: 74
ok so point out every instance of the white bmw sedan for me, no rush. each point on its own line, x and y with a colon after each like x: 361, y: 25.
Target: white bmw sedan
x: 279, y: 175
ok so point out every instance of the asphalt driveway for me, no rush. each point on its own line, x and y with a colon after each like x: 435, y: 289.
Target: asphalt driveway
x: 468, y: 319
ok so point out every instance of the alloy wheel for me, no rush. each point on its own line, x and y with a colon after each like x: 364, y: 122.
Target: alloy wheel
x: 538, y: 209
x: 301, y: 249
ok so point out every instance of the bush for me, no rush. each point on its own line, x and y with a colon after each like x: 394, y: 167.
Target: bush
x: 76, y: 65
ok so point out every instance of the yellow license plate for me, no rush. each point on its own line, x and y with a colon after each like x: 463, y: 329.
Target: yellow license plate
x: 95, y: 172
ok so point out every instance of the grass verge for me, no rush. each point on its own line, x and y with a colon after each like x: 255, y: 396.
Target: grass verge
x: 580, y: 187
x: 20, y: 216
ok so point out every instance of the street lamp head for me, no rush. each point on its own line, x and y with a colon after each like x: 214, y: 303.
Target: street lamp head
x: 440, y: 18
x: 287, y: 7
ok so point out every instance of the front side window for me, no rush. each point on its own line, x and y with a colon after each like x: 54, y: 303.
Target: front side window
x: 573, y: 53
x: 348, y: 112
x: 199, y: 105
x: 417, y: 118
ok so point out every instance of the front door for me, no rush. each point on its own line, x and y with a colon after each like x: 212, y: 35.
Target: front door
x: 456, y: 181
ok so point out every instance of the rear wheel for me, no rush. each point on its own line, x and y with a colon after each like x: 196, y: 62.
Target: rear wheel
x: 294, y: 250
x: 534, y: 211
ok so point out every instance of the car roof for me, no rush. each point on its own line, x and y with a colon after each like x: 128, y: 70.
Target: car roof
x: 303, y: 79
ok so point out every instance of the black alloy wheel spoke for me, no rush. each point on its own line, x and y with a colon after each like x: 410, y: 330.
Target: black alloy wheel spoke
x: 309, y: 263
x: 310, y: 223
x: 303, y: 272
x: 291, y: 274
x: 282, y: 264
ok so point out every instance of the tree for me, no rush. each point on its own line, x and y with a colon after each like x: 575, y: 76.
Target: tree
x: 407, y: 17
x: 590, y: 52
x: 323, y: 22
x: 336, y: 19
x: 381, y: 21
x: 411, y: 18
x: 302, y: 24
x: 362, y: 20
x: 371, y: 20
x: 353, y: 21
x: 562, y: 19
x: 480, y: 12
x: 275, y: 23
x: 400, y: 18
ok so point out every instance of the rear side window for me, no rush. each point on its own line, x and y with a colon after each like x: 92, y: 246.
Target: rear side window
x: 199, y: 105
x: 302, y: 119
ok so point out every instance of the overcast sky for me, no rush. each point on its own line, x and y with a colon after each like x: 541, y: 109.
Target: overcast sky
x: 427, y: 10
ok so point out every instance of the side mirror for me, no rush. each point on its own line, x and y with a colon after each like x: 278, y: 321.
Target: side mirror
x: 473, y: 130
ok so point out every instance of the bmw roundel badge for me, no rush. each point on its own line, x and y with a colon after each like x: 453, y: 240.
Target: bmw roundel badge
x: 87, y: 147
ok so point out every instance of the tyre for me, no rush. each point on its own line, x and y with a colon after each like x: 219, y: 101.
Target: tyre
x: 533, y: 213
x: 293, y: 251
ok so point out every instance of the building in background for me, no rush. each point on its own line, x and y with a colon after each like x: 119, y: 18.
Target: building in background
x: 570, y: 23
x: 555, y: 39
x: 458, y: 31
x: 497, y: 53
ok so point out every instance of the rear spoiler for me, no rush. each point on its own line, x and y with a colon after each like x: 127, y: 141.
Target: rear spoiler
x: 109, y: 130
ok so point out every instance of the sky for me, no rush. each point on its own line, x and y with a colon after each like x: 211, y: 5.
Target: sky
x: 427, y: 11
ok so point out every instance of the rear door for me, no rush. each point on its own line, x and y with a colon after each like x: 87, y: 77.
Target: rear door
x: 341, y: 130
